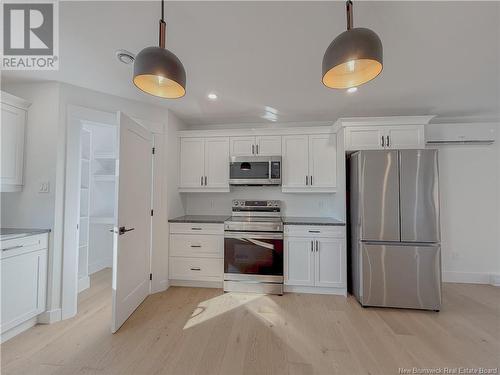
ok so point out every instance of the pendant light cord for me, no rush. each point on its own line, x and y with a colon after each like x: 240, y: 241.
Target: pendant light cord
x: 348, y: 8
x: 163, y: 26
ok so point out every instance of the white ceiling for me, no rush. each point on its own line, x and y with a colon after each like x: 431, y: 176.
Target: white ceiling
x: 439, y: 57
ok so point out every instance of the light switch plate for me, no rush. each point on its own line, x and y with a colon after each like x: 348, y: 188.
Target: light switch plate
x: 44, y: 187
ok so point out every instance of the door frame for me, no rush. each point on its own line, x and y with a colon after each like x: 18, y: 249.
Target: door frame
x: 76, y: 115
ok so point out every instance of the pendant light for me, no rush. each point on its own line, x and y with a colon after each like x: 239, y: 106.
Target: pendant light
x: 353, y: 58
x: 157, y: 71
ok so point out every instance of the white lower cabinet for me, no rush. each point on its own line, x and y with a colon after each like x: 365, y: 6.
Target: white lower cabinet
x: 196, y: 253
x: 316, y: 262
x: 23, y: 263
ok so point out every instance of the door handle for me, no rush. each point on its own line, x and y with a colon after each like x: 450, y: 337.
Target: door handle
x: 195, y: 245
x: 257, y: 149
x: 311, y: 180
x: 312, y: 246
x: 307, y: 180
x: 195, y: 269
x: 201, y: 183
x: 205, y: 180
x: 253, y: 149
x: 314, y: 231
x: 388, y: 143
x: 383, y: 141
x: 317, y: 246
x: 121, y: 230
x: 195, y: 228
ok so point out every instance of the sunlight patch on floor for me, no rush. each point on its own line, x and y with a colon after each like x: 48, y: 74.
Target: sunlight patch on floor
x: 219, y: 305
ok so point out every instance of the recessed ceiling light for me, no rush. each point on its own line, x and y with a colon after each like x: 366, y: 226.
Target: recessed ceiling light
x: 125, y: 56
x: 212, y: 96
x: 352, y: 90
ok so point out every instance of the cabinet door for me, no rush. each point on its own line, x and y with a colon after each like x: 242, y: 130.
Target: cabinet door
x: 299, y: 261
x: 217, y: 162
x: 12, y: 142
x: 295, y: 160
x: 364, y: 138
x: 406, y: 137
x: 329, y: 262
x: 242, y: 146
x: 24, y: 278
x: 323, y: 161
x: 268, y: 145
x: 192, y: 162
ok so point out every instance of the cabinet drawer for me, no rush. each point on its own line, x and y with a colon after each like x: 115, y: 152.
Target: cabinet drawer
x: 315, y: 231
x: 197, y: 245
x: 23, y: 245
x: 196, y: 228
x: 204, y: 269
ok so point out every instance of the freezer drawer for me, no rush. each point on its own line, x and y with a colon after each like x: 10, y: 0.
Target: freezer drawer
x: 401, y: 275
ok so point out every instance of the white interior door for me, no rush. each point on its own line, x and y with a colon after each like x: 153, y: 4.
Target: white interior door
x: 132, y: 238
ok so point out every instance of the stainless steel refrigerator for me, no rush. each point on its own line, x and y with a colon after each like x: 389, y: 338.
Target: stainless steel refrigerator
x: 394, y: 224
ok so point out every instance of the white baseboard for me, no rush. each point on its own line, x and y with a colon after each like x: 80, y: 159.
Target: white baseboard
x: 83, y: 283
x: 197, y: 284
x: 495, y: 279
x: 14, y: 331
x: 160, y: 286
x: 100, y: 265
x: 49, y: 317
x: 471, y: 278
x: 315, y: 290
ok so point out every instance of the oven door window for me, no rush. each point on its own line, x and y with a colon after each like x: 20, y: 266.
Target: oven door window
x: 253, y: 256
x: 249, y: 170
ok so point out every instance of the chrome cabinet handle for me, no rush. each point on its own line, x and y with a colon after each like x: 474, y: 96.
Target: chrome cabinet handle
x: 12, y: 247
x: 388, y: 143
x: 195, y: 245
x: 205, y: 180
x: 253, y: 149
x: 195, y: 269
x: 307, y: 180
x: 383, y: 141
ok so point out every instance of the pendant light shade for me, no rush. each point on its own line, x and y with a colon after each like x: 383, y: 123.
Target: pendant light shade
x: 158, y: 72
x: 353, y: 58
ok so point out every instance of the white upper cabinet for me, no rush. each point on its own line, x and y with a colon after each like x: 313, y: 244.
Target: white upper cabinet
x: 322, y: 161
x: 217, y: 163
x: 295, y: 162
x: 192, y: 162
x: 381, y: 133
x: 242, y: 146
x: 256, y: 146
x: 309, y: 163
x: 12, y: 129
x: 268, y: 145
x: 204, y: 164
x: 409, y: 137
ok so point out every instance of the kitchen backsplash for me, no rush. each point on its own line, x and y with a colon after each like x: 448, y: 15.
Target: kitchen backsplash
x: 321, y: 205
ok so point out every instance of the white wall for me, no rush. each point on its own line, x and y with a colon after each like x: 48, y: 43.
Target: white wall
x: 470, y: 201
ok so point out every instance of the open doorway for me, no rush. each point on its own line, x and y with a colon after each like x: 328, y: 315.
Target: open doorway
x: 108, y: 211
x: 98, y: 156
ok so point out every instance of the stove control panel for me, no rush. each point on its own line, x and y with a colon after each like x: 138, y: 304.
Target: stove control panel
x: 255, y: 204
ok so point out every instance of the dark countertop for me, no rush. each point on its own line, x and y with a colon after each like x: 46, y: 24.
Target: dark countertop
x: 205, y: 219
x: 12, y: 233
x: 297, y: 220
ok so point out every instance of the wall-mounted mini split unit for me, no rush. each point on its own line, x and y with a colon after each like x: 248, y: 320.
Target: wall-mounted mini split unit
x: 467, y: 133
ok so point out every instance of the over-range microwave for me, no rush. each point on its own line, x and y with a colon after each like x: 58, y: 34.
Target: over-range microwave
x: 255, y: 170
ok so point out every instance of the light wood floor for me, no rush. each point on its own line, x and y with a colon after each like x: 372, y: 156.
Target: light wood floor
x: 203, y: 331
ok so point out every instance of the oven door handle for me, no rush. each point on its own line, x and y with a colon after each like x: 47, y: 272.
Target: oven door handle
x: 253, y: 235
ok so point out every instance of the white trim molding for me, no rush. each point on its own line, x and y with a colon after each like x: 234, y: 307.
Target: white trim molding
x: 382, y: 121
x: 471, y: 278
x: 50, y: 316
